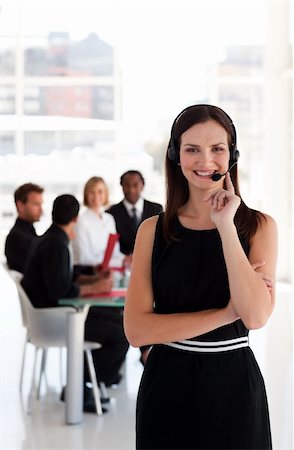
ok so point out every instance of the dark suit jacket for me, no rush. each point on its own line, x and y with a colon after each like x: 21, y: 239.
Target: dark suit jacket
x: 47, y: 275
x: 17, y: 244
x: 124, y: 224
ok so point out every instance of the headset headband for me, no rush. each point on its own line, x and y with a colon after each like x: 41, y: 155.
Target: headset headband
x: 173, y: 150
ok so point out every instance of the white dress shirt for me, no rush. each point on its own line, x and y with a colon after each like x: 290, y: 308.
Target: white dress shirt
x: 89, y: 245
x: 139, y: 208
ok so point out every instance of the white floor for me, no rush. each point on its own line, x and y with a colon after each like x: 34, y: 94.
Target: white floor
x: 45, y: 429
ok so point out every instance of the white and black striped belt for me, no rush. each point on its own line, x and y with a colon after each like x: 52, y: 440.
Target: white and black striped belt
x: 210, y: 347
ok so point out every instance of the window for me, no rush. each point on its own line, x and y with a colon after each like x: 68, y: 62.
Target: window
x: 76, y: 79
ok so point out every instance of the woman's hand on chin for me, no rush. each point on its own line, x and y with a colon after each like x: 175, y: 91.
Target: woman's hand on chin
x: 224, y: 204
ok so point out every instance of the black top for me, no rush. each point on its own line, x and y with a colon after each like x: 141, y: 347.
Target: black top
x: 17, y: 244
x: 48, y: 276
x: 190, y: 399
x: 124, y: 223
x: 190, y: 274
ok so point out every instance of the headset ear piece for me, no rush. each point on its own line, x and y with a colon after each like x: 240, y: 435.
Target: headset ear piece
x: 172, y: 151
x: 235, y: 155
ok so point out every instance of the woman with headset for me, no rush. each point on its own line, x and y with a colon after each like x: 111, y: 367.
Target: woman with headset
x: 197, y: 287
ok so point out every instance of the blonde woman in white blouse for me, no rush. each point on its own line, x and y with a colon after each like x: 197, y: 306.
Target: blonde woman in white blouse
x: 94, y: 226
x: 105, y: 324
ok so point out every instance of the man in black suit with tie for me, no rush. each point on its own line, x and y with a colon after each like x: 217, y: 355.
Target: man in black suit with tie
x: 128, y: 214
x: 132, y: 210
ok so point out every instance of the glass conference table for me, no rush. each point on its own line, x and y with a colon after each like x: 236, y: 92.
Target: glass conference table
x: 75, y: 349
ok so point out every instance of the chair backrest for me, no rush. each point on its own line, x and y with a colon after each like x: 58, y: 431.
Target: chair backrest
x: 47, y: 326
x: 5, y: 266
x: 16, y: 277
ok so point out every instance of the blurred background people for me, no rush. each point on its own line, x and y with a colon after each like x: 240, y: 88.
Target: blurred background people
x: 93, y: 228
x: 132, y: 210
x: 28, y: 200
x: 48, y: 276
x: 128, y: 215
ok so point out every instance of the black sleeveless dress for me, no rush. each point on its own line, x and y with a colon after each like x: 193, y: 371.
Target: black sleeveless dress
x: 199, y: 400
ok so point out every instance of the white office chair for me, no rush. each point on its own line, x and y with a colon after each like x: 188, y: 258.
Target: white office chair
x: 47, y: 327
x: 18, y: 276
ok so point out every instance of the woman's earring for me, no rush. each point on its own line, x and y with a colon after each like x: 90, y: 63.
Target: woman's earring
x: 179, y: 164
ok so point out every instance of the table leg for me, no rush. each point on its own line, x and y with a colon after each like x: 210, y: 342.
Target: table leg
x: 75, y: 368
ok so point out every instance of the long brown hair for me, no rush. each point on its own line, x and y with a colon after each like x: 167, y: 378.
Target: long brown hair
x: 177, y: 189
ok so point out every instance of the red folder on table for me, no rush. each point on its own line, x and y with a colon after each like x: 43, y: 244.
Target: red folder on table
x: 112, y: 239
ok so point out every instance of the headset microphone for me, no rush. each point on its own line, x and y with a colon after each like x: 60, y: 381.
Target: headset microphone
x: 218, y: 176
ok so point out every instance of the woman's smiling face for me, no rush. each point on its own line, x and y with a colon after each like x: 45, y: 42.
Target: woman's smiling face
x: 96, y: 195
x: 204, y: 150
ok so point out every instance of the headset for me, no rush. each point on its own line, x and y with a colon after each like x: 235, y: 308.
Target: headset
x: 173, y: 151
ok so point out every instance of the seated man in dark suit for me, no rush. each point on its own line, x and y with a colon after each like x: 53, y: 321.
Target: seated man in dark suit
x: 28, y: 200
x: 128, y: 215
x: 48, y: 276
x: 132, y: 210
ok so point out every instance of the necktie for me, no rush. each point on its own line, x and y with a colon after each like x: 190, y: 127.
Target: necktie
x: 134, y: 217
